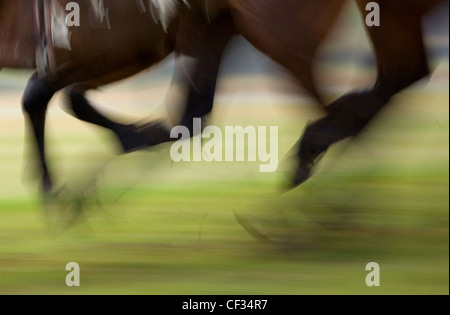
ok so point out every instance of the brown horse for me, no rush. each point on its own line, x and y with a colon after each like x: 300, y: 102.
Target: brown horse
x: 289, y: 31
x: 115, y: 40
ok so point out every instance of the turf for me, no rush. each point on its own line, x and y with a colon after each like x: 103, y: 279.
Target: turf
x: 148, y: 226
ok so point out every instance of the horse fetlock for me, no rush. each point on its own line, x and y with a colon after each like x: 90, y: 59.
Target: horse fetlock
x: 154, y: 133
x: 307, y: 161
x: 301, y: 175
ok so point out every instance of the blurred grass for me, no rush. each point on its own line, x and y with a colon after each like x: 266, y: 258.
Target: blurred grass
x: 151, y: 227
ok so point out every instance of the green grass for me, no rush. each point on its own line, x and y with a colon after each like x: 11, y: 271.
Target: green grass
x: 150, y: 227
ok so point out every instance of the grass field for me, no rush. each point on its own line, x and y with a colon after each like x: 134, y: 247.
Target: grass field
x: 153, y: 227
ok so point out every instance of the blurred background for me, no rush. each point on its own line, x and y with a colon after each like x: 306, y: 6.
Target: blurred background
x: 149, y: 226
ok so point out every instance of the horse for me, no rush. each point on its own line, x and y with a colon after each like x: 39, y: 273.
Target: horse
x: 273, y: 27
x: 80, y: 58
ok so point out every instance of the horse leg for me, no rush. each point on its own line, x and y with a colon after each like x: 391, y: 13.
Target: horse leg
x: 200, y: 81
x: 38, y: 94
x: 127, y: 135
x: 276, y: 28
x: 202, y: 84
x: 401, y: 59
x: 201, y: 90
x: 277, y: 35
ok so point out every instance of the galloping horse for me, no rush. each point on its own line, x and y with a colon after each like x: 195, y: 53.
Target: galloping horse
x: 289, y: 31
x: 115, y: 40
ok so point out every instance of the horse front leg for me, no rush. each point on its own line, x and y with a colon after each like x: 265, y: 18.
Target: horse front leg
x: 37, y: 95
x: 401, y: 58
x: 278, y: 35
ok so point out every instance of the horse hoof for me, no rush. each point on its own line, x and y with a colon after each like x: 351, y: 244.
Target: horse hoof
x: 46, y: 186
x: 302, y: 174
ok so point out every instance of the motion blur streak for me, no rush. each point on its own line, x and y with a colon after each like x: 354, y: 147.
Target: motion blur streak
x: 147, y: 226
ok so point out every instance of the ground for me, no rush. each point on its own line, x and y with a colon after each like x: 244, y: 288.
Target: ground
x: 150, y: 226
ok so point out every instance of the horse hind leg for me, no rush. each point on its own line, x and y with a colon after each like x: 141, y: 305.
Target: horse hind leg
x: 37, y: 95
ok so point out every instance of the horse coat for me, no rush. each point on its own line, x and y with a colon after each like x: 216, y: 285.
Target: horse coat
x: 57, y: 40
